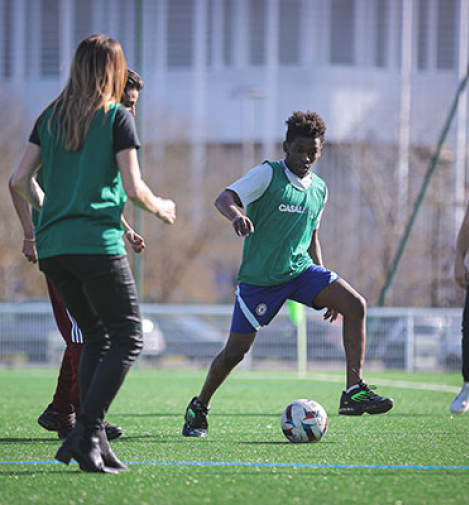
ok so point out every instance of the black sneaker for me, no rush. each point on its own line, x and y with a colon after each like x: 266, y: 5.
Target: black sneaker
x: 112, y: 432
x: 196, y: 424
x: 362, y: 400
x: 61, y: 421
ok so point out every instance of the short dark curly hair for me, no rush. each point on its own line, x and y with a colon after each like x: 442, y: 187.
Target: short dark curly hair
x: 305, y: 124
x: 134, y: 81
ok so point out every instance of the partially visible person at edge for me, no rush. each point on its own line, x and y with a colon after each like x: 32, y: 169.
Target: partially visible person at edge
x: 60, y: 414
x: 282, y: 259
x: 84, y: 151
x: 460, y: 404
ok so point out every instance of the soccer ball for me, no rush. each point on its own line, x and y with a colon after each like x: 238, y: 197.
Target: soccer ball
x: 304, y: 421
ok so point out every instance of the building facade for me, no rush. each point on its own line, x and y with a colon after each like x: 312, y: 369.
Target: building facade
x: 382, y: 73
x: 236, y: 68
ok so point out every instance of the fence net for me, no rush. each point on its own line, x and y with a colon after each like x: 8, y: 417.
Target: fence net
x: 188, y: 336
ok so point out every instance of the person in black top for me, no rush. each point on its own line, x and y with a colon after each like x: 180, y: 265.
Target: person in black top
x: 88, y: 161
x: 60, y: 414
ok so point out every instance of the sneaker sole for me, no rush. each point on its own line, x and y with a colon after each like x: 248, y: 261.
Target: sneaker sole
x: 359, y: 412
x: 46, y: 425
x: 381, y: 410
x: 351, y: 412
x: 187, y: 431
x: 112, y: 435
x: 458, y: 412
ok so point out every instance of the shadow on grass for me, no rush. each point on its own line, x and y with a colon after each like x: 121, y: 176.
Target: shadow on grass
x: 28, y: 473
x: 258, y: 472
x: 11, y: 440
x: 283, y: 443
x: 393, y: 415
x: 181, y: 415
x: 172, y: 439
x: 59, y: 442
x: 341, y: 473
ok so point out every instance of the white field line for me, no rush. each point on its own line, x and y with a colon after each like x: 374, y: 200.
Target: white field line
x: 423, y: 386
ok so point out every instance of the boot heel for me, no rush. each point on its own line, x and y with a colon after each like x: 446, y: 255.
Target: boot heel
x: 63, y: 455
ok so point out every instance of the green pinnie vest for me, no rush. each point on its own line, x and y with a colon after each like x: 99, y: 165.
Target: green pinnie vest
x: 284, y: 219
x: 84, y: 195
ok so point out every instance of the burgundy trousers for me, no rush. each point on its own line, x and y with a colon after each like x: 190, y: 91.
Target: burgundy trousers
x: 67, y: 391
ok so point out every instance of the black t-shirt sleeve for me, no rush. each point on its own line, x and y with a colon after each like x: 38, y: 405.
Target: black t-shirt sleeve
x: 125, y: 131
x: 34, y: 137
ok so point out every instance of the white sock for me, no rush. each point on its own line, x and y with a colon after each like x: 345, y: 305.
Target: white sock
x: 351, y: 388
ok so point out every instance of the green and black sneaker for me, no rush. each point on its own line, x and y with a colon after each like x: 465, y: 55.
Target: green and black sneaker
x: 362, y: 400
x: 196, y: 424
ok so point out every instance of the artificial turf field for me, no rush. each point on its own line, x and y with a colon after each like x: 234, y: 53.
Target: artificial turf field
x: 415, y: 454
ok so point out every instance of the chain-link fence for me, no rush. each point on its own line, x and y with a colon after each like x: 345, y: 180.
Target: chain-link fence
x: 191, y: 335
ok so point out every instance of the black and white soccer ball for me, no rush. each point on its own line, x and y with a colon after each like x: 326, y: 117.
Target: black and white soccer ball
x: 304, y: 421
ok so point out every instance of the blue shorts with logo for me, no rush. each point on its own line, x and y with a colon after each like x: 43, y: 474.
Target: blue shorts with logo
x: 256, y: 306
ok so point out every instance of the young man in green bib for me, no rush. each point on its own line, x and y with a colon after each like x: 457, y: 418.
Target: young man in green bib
x: 277, y: 207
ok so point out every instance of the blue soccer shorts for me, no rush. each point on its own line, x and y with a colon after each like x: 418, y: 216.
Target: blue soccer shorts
x: 256, y: 306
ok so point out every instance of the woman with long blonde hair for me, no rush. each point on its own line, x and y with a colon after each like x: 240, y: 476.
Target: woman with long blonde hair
x: 78, y: 168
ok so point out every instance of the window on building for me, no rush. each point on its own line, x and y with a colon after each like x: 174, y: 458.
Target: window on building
x: 342, y: 32
x: 446, y: 34
x: 289, y: 32
x: 399, y: 28
x: 228, y: 32
x: 83, y: 21
x: 127, y: 29
x: 7, y: 36
x: 423, y: 34
x: 180, y: 33
x: 381, y: 33
x: 209, y: 32
x: 50, y: 38
x: 257, y: 18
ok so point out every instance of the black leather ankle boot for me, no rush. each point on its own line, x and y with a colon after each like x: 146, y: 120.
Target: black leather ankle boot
x: 107, y: 454
x: 83, y: 445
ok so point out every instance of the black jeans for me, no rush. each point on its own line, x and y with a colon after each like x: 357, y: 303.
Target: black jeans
x: 99, y: 291
x: 465, y: 339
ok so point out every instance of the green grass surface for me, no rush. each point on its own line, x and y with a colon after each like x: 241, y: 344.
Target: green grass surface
x: 244, y: 428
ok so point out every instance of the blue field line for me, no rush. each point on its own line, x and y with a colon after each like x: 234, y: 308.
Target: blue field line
x: 262, y: 465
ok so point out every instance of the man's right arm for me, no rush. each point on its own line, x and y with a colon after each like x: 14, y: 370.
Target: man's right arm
x: 461, y: 273
x: 229, y: 205
x: 235, y: 198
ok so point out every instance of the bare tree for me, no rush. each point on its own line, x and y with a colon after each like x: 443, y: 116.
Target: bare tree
x: 18, y: 279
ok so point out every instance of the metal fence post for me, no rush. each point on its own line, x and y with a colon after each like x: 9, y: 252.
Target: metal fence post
x: 302, y: 345
x: 410, y: 344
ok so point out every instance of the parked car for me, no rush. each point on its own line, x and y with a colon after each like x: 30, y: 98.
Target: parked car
x: 388, y: 341
x: 191, y: 336
x: 28, y: 338
x: 450, y: 351
x: 154, y: 342
x: 279, y: 341
x: 202, y: 337
x: 32, y: 337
